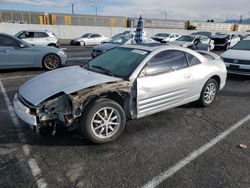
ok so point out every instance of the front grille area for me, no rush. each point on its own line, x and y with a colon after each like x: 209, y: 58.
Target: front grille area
x: 236, y: 61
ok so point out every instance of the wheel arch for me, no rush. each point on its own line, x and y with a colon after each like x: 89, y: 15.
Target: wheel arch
x: 217, y: 78
x: 122, y: 98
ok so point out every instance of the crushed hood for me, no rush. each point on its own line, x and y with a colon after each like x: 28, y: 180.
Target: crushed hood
x: 67, y: 80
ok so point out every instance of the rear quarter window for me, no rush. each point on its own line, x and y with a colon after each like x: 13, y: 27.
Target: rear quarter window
x: 192, y: 60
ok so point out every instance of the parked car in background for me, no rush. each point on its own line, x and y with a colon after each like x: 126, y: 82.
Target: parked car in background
x: 225, y: 41
x: 208, y: 35
x: 16, y: 53
x: 88, y: 39
x: 165, y: 37
x: 204, y: 33
x: 124, y: 33
x: 246, y: 36
x: 195, y: 42
x: 118, y: 41
x: 127, y: 82
x: 144, y: 33
x: 237, y: 59
x: 38, y: 37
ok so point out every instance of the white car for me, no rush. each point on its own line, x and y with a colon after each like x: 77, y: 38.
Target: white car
x: 38, y: 37
x: 88, y: 39
x: 166, y: 37
x: 237, y: 59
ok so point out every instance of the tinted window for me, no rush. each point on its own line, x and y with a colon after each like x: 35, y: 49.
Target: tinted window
x: 162, y: 35
x: 40, y: 35
x: 7, y: 41
x: 95, y: 36
x: 86, y: 35
x: 166, y: 61
x: 192, y: 60
x: 26, y: 35
x: 204, y: 40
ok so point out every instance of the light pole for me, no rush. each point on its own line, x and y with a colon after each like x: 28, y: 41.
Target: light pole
x: 72, y: 8
x: 166, y: 15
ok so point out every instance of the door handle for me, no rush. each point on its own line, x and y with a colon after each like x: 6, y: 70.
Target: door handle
x: 187, y: 76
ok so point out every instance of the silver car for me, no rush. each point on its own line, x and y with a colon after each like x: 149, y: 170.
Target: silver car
x: 118, y: 41
x: 127, y: 82
x: 15, y: 53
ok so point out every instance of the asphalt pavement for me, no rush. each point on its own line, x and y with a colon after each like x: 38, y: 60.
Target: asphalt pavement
x: 149, y: 147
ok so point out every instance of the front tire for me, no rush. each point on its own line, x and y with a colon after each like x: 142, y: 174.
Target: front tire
x: 51, y: 62
x: 82, y: 43
x: 103, y: 121
x: 227, y: 47
x: 208, y: 93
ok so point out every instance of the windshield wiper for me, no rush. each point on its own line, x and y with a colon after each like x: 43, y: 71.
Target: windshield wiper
x: 103, y: 69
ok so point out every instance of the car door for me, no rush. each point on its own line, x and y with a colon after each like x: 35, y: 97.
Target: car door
x: 97, y: 39
x: 171, y: 38
x: 164, y: 83
x: 203, y: 43
x: 234, y: 40
x: 41, y: 38
x: 13, y: 54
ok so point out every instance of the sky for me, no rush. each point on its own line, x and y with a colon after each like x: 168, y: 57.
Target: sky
x: 218, y: 10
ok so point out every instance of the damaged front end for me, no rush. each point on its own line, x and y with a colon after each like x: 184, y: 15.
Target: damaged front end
x: 66, y: 109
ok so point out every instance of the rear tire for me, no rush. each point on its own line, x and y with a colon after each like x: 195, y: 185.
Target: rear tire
x: 51, y: 62
x: 208, y: 93
x: 103, y: 121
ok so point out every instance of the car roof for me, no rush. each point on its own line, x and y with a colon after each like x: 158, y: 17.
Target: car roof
x: 36, y: 31
x: 150, y: 46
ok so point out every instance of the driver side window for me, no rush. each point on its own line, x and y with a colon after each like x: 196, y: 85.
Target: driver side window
x: 166, y: 61
x: 7, y: 41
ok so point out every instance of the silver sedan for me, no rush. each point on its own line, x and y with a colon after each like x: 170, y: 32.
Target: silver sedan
x: 15, y: 53
x: 127, y: 82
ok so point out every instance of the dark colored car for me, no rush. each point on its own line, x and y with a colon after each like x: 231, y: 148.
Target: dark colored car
x: 118, y: 41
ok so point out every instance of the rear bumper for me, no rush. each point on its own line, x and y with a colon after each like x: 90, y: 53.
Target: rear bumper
x: 23, y: 112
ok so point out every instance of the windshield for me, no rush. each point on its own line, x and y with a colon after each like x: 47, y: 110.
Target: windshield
x: 162, y: 35
x: 242, y: 45
x: 118, y: 62
x: 86, y: 35
x: 119, y: 39
x: 186, y: 38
